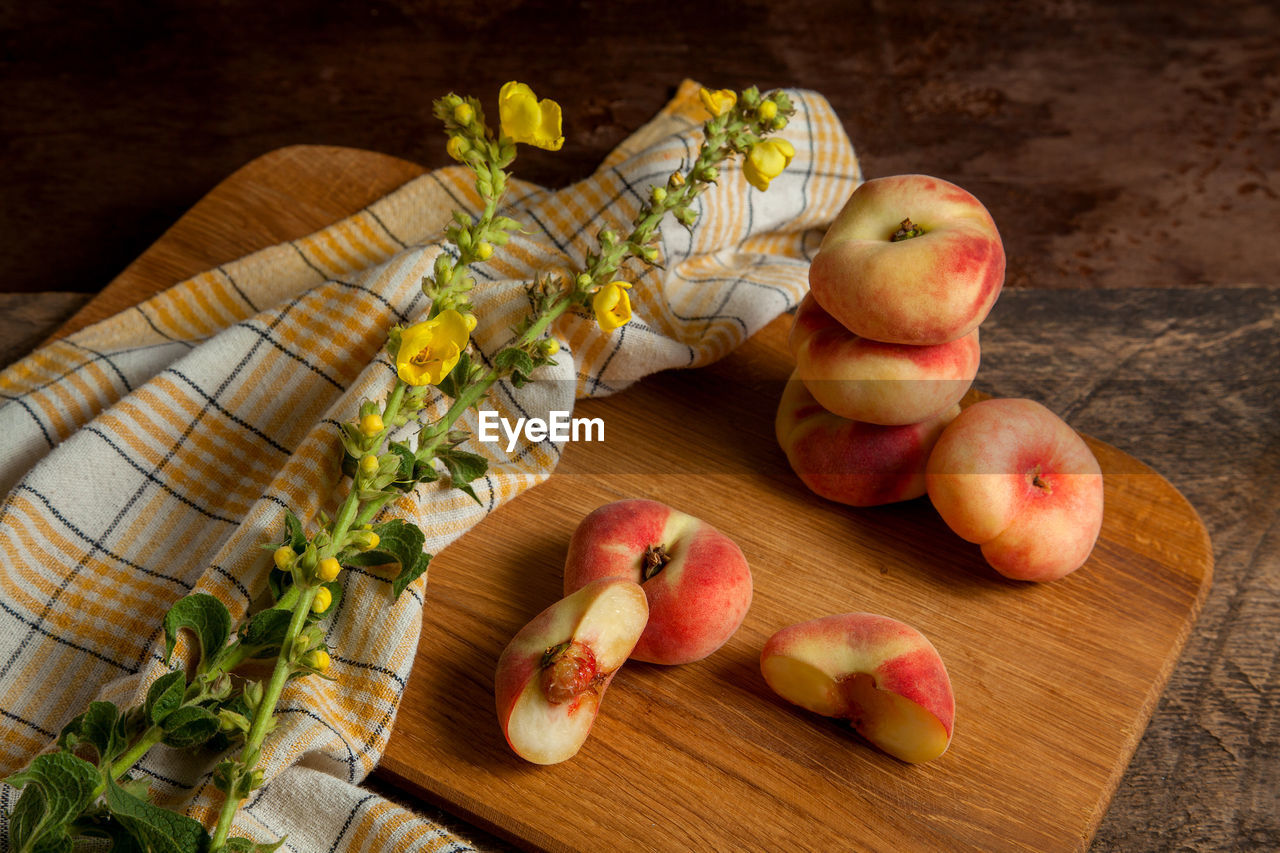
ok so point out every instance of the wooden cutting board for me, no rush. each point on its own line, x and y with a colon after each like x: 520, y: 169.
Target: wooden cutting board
x: 1054, y: 683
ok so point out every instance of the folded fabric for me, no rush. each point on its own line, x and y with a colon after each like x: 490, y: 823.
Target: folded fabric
x: 149, y: 456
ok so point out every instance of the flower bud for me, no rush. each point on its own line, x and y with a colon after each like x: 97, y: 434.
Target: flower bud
x: 549, y: 347
x: 649, y: 253
x: 253, y: 693
x: 780, y: 123
x: 256, y: 778
x: 369, y: 464
x: 317, y: 659
x: 283, y: 558
x: 710, y: 174
x: 484, y: 250
x: 768, y: 109
x: 371, y: 424
x: 607, y: 237
x: 584, y: 281
x: 457, y: 148
x: 659, y: 195
x: 365, y: 540
x: 328, y: 569
x: 686, y: 216
x: 322, y: 601
x: 676, y: 180
x: 463, y: 113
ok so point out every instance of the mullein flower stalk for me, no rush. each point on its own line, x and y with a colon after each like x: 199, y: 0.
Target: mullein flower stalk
x: 219, y: 707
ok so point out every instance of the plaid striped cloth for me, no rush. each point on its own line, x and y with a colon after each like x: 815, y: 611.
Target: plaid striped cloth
x: 148, y: 456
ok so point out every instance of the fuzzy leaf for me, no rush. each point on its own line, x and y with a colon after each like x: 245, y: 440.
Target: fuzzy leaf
x: 100, y: 727
x: 297, y: 536
x: 56, y: 788
x: 165, y: 696
x: 203, y: 615
x: 409, y: 575
x: 244, y: 845
x: 453, y: 384
x: 155, y: 829
x: 265, y: 631
x: 399, y: 542
x: 514, y: 360
x: 404, y: 472
x: 464, y: 467
x: 190, y: 725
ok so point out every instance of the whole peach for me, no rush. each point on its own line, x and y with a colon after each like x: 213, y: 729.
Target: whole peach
x: 853, y: 462
x: 910, y: 259
x: 879, y: 383
x: 1011, y: 476
x: 696, y: 578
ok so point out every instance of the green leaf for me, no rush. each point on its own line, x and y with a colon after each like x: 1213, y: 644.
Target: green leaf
x: 463, y: 467
x: 155, y: 829
x: 190, y: 725
x: 405, y: 478
x: 99, y: 726
x: 206, y: 617
x: 399, y: 542
x: 408, y: 576
x: 56, y: 788
x: 514, y: 360
x: 453, y: 384
x: 165, y: 696
x: 297, y: 537
x: 265, y: 631
x: 244, y: 845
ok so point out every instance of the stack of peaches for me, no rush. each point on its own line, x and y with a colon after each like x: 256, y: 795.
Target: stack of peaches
x: 886, y: 345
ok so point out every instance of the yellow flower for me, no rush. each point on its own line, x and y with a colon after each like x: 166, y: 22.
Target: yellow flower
x: 766, y: 160
x: 718, y: 102
x: 328, y: 569
x: 526, y: 119
x: 767, y: 110
x: 321, y: 602
x: 463, y: 114
x: 371, y: 424
x: 612, y: 305
x: 430, y: 349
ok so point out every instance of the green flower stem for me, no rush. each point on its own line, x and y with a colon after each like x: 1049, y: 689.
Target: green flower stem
x: 133, y: 755
x: 264, y: 714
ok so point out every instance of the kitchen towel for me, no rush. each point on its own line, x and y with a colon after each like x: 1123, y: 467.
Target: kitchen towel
x: 150, y: 455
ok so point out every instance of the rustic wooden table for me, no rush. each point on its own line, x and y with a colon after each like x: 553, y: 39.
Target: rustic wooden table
x: 1125, y: 149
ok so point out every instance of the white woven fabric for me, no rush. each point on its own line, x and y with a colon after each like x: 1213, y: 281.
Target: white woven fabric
x: 149, y: 456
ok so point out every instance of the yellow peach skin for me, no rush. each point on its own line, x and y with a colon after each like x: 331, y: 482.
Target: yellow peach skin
x: 910, y: 259
x: 874, y: 382
x: 1010, y: 475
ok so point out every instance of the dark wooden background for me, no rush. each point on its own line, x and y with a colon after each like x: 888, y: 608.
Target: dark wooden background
x: 1128, y: 151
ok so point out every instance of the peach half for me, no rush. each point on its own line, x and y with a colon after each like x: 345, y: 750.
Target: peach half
x: 552, y: 675
x: 882, y: 675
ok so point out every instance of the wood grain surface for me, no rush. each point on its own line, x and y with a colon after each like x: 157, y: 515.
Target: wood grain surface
x: 1054, y: 683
